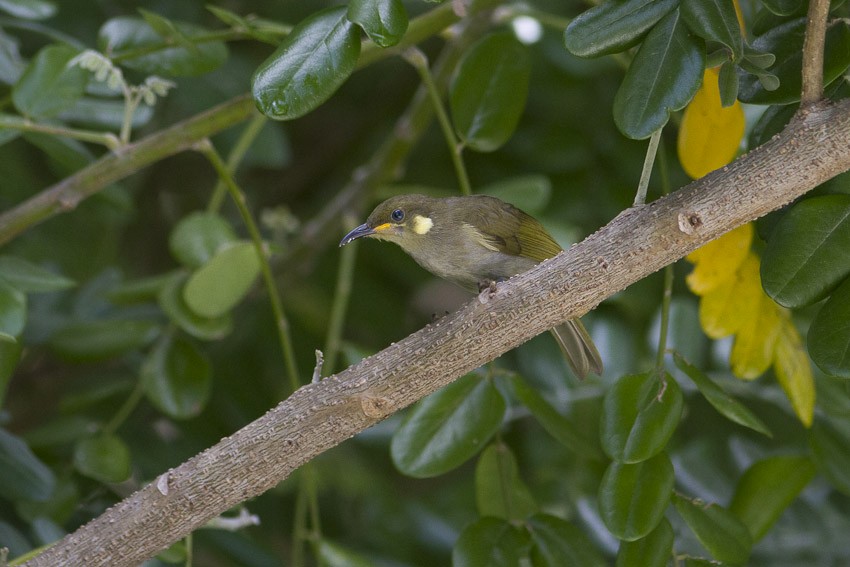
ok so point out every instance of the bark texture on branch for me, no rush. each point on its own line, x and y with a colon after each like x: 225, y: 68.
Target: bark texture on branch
x: 812, y: 149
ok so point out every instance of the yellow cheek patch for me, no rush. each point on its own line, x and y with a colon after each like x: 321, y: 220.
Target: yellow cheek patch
x: 421, y: 225
x: 383, y: 227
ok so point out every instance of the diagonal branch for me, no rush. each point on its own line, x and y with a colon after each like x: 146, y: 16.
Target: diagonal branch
x: 641, y: 240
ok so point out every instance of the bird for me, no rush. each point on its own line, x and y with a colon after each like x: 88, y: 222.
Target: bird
x: 475, y: 241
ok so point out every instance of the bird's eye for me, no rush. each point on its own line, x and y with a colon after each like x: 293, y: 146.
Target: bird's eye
x: 397, y: 215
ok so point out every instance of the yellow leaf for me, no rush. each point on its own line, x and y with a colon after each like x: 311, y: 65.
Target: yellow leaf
x: 710, y: 135
x: 793, y: 371
x: 727, y: 307
x: 718, y: 260
x: 755, y: 343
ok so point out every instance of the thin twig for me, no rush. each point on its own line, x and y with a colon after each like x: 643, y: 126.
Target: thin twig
x: 813, y: 46
x: 107, y: 139
x: 648, y: 162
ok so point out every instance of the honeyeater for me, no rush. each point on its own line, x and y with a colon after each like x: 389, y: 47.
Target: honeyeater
x: 475, y: 241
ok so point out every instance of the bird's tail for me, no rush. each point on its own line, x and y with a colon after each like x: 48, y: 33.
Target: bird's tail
x: 578, y: 348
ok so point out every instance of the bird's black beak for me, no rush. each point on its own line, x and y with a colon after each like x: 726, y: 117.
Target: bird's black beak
x: 362, y: 230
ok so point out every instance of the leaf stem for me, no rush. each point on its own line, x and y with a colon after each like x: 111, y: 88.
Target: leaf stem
x: 282, y: 324
x: 108, y: 139
x: 419, y: 61
x: 342, y: 294
x: 649, y: 160
x: 126, y: 408
x: 246, y: 138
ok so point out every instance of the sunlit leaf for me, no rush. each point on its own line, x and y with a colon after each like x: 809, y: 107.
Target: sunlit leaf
x: 767, y: 488
x: 104, y: 457
x: 718, y: 529
x: 499, y: 489
x: 662, y: 78
x: 710, y: 135
x: 198, y: 236
x: 633, y: 497
x: 221, y: 283
x: 448, y: 427
x: 793, y: 371
x: 312, y: 62
x: 613, y: 26
x: 639, y: 415
x: 718, y: 260
x: 488, y: 92
x: 171, y: 300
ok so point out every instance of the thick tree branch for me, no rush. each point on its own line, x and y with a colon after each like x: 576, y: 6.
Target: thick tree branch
x: 813, y: 46
x: 641, y: 240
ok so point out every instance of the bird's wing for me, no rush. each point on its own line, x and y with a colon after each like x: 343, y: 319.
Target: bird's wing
x: 528, y: 237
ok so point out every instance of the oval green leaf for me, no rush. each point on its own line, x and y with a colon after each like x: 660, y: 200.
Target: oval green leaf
x: 786, y: 43
x: 499, y: 489
x: 829, y: 335
x: 652, y: 550
x: 663, y: 77
x: 48, y: 85
x: 729, y: 407
x: 28, y: 9
x: 557, y: 425
x: 489, y: 542
x: 614, y: 26
x: 104, y: 458
x: 198, y: 236
x: 633, y: 497
x: 89, y: 340
x: 488, y: 92
x: 143, y: 48
x: 313, y: 61
x: 25, y: 477
x: 717, y: 529
x: 808, y: 253
x: 384, y: 21
x: 223, y: 281
x: 13, y: 310
x: 767, y: 489
x: 639, y: 415
x: 556, y: 542
x: 830, y: 443
x: 448, y: 427
x: 177, y: 378
x: 171, y: 301
x: 715, y: 20
x: 30, y: 278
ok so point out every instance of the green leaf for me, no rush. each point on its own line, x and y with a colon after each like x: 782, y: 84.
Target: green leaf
x: 11, y: 63
x: 332, y: 554
x: 639, y: 415
x: 10, y: 354
x: 830, y: 443
x: 499, y: 489
x: 489, y: 542
x: 829, y: 335
x: 171, y: 300
x: 558, y: 426
x: 165, y: 28
x: 102, y: 114
x: 148, y: 52
x: 89, y: 340
x: 773, y: 121
x: 782, y: 7
x: 13, y: 310
x: 489, y: 90
x: 767, y: 489
x: 726, y: 405
x: 663, y: 77
x: 222, y: 282
x: 556, y: 542
x: 28, y: 9
x: 808, y: 253
x: 448, y: 427
x: 177, y: 378
x: 614, y: 26
x: 530, y: 193
x: 714, y: 20
x: 312, y: 62
x: 633, y: 497
x: 652, y: 550
x: 48, y: 85
x: 786, y: 43
x: 718, y: 529
x: 29, y: 278
x: 727, y: 83
x: 104, y: 457
x: 384, y: 21
x: 198, y: 236
x: 25, y: 477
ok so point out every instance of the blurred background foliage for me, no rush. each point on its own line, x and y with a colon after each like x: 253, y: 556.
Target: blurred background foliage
x: 108, y: 377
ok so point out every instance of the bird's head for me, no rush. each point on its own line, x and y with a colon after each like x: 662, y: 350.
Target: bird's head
x: 406, y: 220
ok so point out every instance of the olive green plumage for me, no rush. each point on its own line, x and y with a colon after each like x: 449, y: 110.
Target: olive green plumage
x: 473, y: 241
